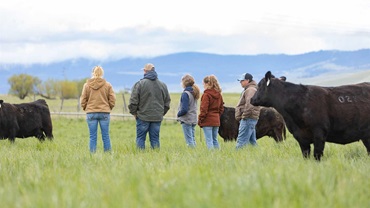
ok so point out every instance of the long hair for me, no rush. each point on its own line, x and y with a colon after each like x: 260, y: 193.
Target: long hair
x: 97, y: 72
x: 188, y: 81
x: 212, y: 82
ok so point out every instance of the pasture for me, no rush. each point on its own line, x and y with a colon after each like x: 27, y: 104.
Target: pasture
x: 63, y: 173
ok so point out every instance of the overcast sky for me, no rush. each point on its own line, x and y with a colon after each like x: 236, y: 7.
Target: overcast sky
x: 43, y: 31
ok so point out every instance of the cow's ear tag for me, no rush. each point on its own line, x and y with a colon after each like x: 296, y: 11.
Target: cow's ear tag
x: 268, y: 82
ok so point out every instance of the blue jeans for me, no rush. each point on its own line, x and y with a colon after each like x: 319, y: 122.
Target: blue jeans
x: 247, y: 133
x: 210, y: 133
x: 142, y: 128
x: 103, y: 119
x: 189, y: 134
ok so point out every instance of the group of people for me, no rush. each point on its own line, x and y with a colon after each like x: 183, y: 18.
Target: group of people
x: 150, y: 101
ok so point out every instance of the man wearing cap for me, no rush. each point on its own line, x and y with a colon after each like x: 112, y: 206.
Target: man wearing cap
x: 149, y: 102
x: 246, y: 113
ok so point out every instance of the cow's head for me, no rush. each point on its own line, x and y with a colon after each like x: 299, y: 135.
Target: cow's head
x: 1, y: 102
x: 264, y: 96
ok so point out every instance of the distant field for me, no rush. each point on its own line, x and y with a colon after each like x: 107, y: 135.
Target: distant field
x: 71, y: 105
x: 63, y: 173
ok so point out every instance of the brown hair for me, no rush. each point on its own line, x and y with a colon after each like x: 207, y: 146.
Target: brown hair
x: 212, y: 82
x: 188, y: 81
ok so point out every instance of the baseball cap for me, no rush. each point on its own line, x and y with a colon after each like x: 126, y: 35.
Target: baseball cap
x: 245, y: 76
x: 148, y: 67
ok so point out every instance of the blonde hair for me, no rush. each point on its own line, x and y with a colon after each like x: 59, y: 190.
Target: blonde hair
x: 97, y: 72
x: 212, y: 82
x: 188, y: 81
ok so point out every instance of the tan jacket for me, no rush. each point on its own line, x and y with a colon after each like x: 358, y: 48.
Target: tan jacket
x: 97, y: 96
x: 245, y: 109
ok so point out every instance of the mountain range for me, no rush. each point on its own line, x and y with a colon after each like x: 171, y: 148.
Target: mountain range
x: 326, y: 68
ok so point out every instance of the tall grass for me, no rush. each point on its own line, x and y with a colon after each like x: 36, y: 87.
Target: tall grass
x: 63, y: 173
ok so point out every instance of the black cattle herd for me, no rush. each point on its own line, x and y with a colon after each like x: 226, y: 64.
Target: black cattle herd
x: 312, y: 114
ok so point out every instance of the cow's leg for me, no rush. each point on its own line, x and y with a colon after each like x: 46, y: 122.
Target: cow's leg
x: 318, y: 150
x: 41, y: 137
x: 50, y: 136
x: 305, y: 148
x: 366, y: 142
x: 12, y: 135
x: 277, y: 135
x: 48, y: 130
x: 12, y: 140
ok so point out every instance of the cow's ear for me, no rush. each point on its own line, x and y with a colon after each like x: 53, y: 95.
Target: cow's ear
x: 268, y: 75
x: 268, y: 78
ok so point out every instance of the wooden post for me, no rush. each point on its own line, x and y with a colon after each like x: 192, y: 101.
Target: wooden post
x: 124, y: 102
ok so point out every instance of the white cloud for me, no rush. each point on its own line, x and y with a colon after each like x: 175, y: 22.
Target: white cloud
x: 45, y: 31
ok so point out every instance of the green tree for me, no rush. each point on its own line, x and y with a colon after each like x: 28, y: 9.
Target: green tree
x: 23, y: 85
x: 80, y: 84
x: 49, y: 89
x: 68, y: 90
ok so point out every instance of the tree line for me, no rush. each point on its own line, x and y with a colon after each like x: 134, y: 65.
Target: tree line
x: 23, y: 85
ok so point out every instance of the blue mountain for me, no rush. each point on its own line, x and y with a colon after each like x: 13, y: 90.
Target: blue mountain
x: 125, y: 72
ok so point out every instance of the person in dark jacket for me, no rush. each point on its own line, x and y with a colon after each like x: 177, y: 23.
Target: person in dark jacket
x: 98, y: 99
x: 211, y: 108
x: 247, y: 113
x: 187, y: 114
x: 149, y: 102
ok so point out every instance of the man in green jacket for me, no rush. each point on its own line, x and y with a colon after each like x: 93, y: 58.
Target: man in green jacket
x: 149, y: 102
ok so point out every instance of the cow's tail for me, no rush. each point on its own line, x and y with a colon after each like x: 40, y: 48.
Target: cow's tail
x: 284, y: 132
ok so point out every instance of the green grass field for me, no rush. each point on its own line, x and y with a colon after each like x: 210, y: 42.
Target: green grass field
x: 63, y: 173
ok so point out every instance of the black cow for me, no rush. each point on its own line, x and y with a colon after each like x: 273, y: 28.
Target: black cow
x: 270, y: 123
x: 25, y: 120
x: 316, y: 114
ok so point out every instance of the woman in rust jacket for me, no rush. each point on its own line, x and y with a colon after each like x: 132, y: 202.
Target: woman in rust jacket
x: 211, y: 108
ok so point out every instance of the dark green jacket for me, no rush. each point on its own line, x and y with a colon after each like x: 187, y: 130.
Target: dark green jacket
x: 150, y: 99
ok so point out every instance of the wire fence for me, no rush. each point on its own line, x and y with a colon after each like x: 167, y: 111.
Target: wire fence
x: 114, y: 115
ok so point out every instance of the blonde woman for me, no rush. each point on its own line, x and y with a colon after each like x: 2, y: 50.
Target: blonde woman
x: 187, y: 114
x: 211, y: 108
x: 98, y: 99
